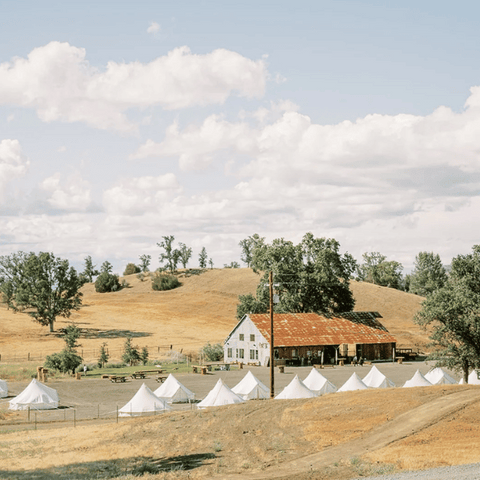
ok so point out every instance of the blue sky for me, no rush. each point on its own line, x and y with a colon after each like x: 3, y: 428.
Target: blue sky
x: 121, y: 122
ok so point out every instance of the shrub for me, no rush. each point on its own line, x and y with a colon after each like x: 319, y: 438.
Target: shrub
x: 131, y: 355
x: 165, y: 282
x: 131, y: 268
x: 107, y: 282
x: 213, y: 353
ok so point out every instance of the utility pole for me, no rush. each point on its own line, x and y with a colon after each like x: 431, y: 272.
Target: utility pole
x: 272, y: 371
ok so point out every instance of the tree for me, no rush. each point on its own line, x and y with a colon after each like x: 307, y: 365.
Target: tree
x: 210, y: 262
x: 184, y: 254
x: 43, y: 286
x: 107, y: 282
x: 310, y: 277
x: 428, y: 275
x: 248, y: 245
x: 90, y: 270
x: 377, y: 270
x: 165, y: 282
x: 68, y: 359
x: 202, y: 258
x: 131, y: 354
x: 104, y: 356
x: 171, y: 255
x: 144, y: 355
x: 212, y: 353
x: 231, y: 265
x: 145, y: 262
x: 106, y: 267
x: 452, y: 312
x: 131, y: 268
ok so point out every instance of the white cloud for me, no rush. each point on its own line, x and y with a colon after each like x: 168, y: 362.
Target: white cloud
x: 13, y: 163
x: 59, y: 83
x: 71, y: 195
x: 62, y: 149
x: 153, y: 28
x: 138, y: 196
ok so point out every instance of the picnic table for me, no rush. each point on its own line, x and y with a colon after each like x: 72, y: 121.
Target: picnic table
x: 161, y: 378
x: 118, y: 378
x: 143, y: 373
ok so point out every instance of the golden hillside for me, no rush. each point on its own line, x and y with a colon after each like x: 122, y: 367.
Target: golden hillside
x: 203, y: 309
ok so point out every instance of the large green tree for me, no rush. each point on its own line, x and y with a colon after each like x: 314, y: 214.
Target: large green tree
x: 90, y: 270
x: 41, y: 285
x: 376, y: 269
x: 428, y: 274
x: 184, y: 254
x: 452, y: 313
x: 248, y: 246
x: 309, y: 277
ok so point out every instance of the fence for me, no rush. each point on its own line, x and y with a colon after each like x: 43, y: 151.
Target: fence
x: 92, y: 354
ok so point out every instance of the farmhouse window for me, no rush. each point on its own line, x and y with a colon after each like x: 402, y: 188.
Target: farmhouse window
x: 241, y: 353
x: 229, y: 353
x: 236, y: 352
x: 252, y: 354
x: 252, y: 337
x: 256, y: 354
x: 241, y: 337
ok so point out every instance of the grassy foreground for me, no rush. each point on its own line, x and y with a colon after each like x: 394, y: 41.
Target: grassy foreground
x: 344, y: 435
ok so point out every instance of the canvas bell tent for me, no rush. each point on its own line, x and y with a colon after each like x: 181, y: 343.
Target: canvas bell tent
x: 418, y: 380
x: 353, y: 383
x: 295, y: 389
x: 172, y: 391
x: 318, y: 384
x: 144, y: 402
x: 250, y: 387
x: 376, y: 379
x: 220, y: 395
x: 3, y: 389
x: 438, y: 376
x: 36, y: 396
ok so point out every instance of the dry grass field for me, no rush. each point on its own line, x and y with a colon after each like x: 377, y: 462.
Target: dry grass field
x: 203, y: 309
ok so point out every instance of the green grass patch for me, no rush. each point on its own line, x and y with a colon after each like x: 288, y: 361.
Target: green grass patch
x: 16, y: 373
x: 127, y: 370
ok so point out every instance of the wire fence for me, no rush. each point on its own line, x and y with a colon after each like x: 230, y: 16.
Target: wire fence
x: 92, y: 354
x: 35, y: 419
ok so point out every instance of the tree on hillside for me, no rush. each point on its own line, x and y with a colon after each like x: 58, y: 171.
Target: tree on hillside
x: 130, y: 355
x: 428, y: 275
x: 145, y: 262
x: 170, y: 254
x: 231, y: 265
x: 68, y: 359
x: 310, y: 277
x: 248, y: 245
x: 184, y: 254
x: 43, y: 286
x: 106, y: 267
x: 90, y: 270
x: 107, y: 282
x: 452, y: 312
x: 203, y: 258
x: 377, y: 270
x: 210, y: 262
x: 131, y: 268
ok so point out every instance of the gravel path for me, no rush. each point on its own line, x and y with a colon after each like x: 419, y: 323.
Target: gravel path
x: 457, y: 472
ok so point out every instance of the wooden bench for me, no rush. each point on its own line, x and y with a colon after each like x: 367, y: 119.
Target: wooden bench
x: 325, y: 366
x: 202, y: 368
x: 118, y: 378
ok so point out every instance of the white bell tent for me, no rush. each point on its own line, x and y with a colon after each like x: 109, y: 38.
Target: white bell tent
x: 250, y: 387
x: 295, y: 389
x: 353, y: 383
x: 36, y: 396
x: 318, y: 384
x: 376, y: 379
x: 3, y: 389
x: 144, y: 402
x: 438, y: 376
x: 172, y: 391
x: 472, y: 378
x: 418, y: 380
x: 220, y: 395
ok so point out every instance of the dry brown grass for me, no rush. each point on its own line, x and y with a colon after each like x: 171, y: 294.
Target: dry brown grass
x: 203, y: 309
x: 266, y: 438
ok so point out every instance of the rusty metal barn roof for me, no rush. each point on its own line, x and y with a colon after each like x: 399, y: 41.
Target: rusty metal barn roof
x: 296, y: 329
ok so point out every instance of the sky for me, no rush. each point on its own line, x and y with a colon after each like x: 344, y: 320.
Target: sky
x: 123, y: 122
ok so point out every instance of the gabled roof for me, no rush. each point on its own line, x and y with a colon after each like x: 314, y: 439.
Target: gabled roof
x: 297, y: 329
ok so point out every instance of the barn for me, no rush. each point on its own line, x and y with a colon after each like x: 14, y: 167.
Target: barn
x: 309, y: 338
